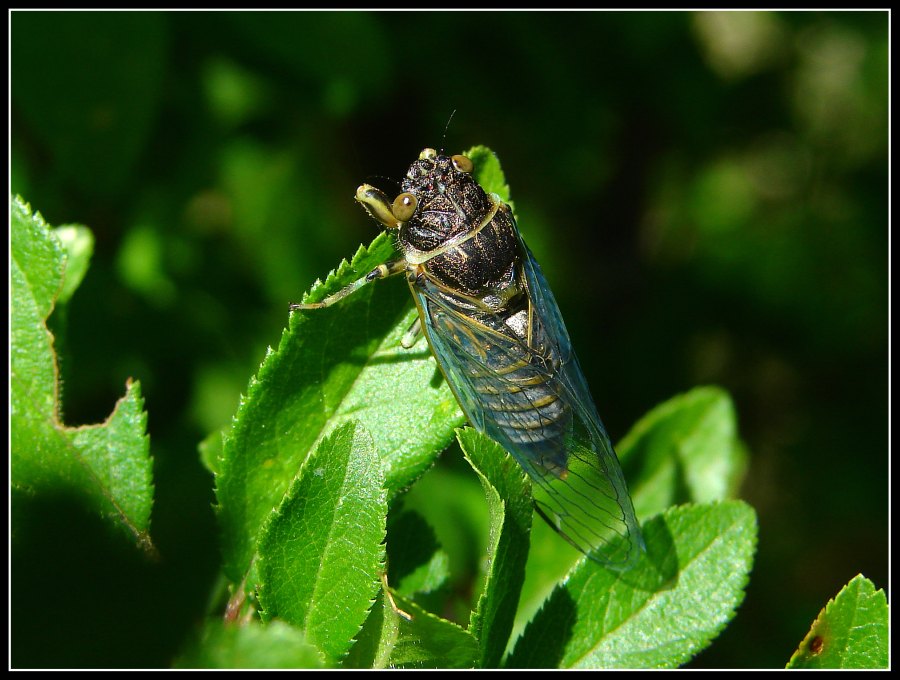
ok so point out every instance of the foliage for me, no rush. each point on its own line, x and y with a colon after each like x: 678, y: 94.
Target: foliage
x: 707, y: 193
x: 107, y: 465
x: 850, y: 632
x: 311, y: 553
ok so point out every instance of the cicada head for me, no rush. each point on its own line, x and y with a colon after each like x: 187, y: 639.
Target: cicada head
x: 440, y: 200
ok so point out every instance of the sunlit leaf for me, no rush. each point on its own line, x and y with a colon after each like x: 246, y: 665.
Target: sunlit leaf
x: 657, y: 615
x: 332, y: 365
x: 322, y: 552
x: 850, y: 632
x: 685, y: 449
x: 107, y: 465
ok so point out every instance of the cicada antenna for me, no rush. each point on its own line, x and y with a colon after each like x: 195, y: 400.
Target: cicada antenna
x: 447, y: 127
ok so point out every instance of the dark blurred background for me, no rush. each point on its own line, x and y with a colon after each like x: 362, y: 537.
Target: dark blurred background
x: 707, y: 194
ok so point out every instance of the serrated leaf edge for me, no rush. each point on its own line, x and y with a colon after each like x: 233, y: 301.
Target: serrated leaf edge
x: 741, y: 587
x: 356, y: 428
x: 142, y: 537
x: 257, y: 380
x: 863, y: 586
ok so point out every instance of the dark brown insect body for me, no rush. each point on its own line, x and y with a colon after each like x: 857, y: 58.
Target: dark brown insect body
x: 499, y: 339
x: 469, y: 243
x: 462, y: 237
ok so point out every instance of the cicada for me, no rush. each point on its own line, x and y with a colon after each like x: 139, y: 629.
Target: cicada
x: 500, y: 341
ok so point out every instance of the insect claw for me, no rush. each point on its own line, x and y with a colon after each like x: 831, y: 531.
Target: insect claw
x: 387, y: 592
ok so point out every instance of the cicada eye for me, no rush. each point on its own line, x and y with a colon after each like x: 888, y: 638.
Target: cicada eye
x: 462, y: 163
x: 404, y: 206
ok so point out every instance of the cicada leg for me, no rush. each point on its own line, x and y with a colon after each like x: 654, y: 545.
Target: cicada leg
x: 387, y: 592
x: 412, y: 335
x: 380, y: 272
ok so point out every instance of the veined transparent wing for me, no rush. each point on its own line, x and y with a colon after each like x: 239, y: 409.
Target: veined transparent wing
x: 592, y: 448
x: 531, y: 397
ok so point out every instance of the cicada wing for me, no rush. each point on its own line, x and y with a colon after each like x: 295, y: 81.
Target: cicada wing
x: 591, y: 447
x: 523, y: 400
x: 590, y: 506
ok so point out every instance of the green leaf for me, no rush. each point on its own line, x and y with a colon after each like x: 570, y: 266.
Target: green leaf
x: 333, y: 364
x: 688, y: 449
x: 321, y: 553
x: 452, y: 501
x: 851, y: 632
x: 389, y: 640
x: 251, y: 645
x: 508, y: 494
x: 658, y: 614
x: 78, y: 242
x: 210, y: 450
x: 107, y: 465
x: 488, y: 172
x: 37, y: 261
x: 685, y: 449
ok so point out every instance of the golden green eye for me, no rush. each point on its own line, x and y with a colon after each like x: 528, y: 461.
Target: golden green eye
x: 462, y: 163
x: 404, y: 206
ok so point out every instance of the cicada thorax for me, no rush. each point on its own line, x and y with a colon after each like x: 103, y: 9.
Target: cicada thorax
x: 466, y: 241
x: 463, y: 237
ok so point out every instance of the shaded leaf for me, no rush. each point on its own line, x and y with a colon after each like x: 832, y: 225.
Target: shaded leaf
x: 389, y: 640
x: 210, y: 450
x: 851, y: 632
x: 252, y: 645
x: 452, y: 502
x: 78, y: 242
x: 416, y: 562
